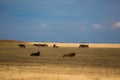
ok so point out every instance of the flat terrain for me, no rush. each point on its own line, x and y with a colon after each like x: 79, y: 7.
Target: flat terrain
x: 88, y: 64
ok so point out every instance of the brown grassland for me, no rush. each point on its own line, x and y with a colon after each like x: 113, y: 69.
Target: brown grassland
x: 94, y: 63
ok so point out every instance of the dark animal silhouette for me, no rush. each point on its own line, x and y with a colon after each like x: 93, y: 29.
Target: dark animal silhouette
x: 84, y: 46
x: 35, y: 54
x: 54, y: 46
x: 44, y: 45
x: 21, y: 45
x: 41, y: 45
x: 38, y: 45
x: 69, y: 55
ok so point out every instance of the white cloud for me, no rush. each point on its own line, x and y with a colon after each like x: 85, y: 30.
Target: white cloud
x: 44, y: 25
x: 96, y: 26
x: 117, y: 25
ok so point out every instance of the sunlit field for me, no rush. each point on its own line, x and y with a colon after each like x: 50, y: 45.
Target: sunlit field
x: 88, y: 64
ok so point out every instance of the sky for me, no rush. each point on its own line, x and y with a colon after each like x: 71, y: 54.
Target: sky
x: 93, y: 21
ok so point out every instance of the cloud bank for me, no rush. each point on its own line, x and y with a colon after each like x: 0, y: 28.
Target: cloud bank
x: 117, y: 25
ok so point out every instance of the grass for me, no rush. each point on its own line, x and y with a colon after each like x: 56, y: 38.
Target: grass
x: 88, y: 64
x: 54, y: 72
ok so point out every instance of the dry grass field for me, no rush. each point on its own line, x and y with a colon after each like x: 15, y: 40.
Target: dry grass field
x: 91, y: 45
x: 101, y: 63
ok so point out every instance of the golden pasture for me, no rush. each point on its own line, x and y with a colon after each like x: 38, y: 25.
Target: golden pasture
x: 99, y: 62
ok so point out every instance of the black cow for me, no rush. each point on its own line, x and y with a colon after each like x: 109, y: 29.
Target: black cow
x: 69, y: 55
x: 35, y: 54
x: 21, y: 45
x: 84, y: 46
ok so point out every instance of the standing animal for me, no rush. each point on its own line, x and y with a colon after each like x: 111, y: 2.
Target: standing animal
x: 41, y: 45
x: 69, y: 55
x: 35, y: 54
x: 21, y: 45
x: 44, y: 45
x: 38, y: 45
x: 84, y: 46
x: 54, y: 46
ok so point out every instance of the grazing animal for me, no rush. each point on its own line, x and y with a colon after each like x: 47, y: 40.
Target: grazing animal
x: 54, y: 46
x: 44, y: 45
x: 41, y: 45
x: 38, y: 45
x: 69, y: 55
x: 84, y: 46
x: 21, y: 45
x: 35, y: 54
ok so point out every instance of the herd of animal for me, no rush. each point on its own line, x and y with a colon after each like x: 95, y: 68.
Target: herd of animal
x: 54, y: 46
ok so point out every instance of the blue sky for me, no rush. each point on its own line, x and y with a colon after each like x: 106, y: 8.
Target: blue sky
x: 94, y: 21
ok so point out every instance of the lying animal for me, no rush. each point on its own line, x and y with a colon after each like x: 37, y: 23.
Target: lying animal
x: 69, y: 55
x: 35, y: 54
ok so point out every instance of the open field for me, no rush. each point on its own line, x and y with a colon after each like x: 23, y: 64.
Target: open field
x: 91, y: 45
x: 88, y: 64
x: 50, y: 44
